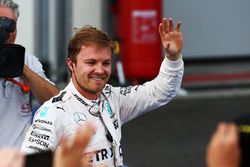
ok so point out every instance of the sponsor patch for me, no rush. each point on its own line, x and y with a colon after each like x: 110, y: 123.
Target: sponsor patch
x: 116, y: 124
x: 60, y: 108
x: 35, y: 126
x: 43, y: 121
x: 58, y: 98
x: 125, y: 90
x: 107, y: 90
x: 36, y: 148
x: 43, y: 112
x: 105, y: 156
x: 81, y: 100
x: 40, y: 136
x: 108, y: 109
x: 39, y: 142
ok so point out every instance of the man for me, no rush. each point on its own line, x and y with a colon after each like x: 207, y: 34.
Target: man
x: 88, y: 97
x: 15, y: 106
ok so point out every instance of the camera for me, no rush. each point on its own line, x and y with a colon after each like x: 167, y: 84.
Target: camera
x: 11, y: 60
x: 11, y: 55
x: 7, y: 26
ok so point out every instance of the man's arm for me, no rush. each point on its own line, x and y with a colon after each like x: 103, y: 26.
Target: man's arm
x: 41, y: 88
x: 162, y: 89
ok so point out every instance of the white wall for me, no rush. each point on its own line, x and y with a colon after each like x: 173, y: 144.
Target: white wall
x: 212, y: 28
x: 25, y: 25
x: 83, y: 12
x: 86, y: 12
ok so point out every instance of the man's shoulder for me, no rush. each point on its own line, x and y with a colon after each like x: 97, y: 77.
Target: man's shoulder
x: 63, y: 96
x: 53, y: 107
x: 61, y: 99
x: 33, y: 63
x: 30, y: 57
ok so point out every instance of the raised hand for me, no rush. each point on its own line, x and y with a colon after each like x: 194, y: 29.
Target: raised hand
x: 223, y: 149
x: 11, y: 157
x: 171, y: 38
x: 71, y: 153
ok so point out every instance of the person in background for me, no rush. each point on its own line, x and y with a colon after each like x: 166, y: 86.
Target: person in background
x: 88, y: 97
x: 15, y: 106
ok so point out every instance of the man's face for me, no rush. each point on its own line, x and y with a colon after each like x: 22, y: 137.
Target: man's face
x: 9, y: 13
x: 92, y: 70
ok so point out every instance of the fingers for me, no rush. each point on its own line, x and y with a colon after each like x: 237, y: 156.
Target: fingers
x: 229, y: 132
x: 79, y: 141
x: 167, y: 26
x: 223, y: 148
x: 11, y: 157
x: 228, y: 129
x: 83, y: 136
x: 163, y: 27
x: 87, y: 159
x: 70, y: 152
x: 171, y: 25
x: 65, y: 147
x: 178, y: 26
x: 226, y: 133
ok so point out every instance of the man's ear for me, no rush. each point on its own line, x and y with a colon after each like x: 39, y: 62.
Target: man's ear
x: 70, y: 63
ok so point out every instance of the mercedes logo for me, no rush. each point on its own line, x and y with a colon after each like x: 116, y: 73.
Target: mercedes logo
x: 80, y: 118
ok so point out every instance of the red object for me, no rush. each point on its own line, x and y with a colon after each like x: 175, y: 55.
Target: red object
x: 137, y: 30
x: 23, y: 87
x: 203, y: 78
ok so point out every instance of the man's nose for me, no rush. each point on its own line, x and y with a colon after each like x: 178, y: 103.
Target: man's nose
x: 99, y: 68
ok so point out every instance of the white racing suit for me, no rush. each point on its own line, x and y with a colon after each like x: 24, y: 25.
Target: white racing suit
x: 62, y: 115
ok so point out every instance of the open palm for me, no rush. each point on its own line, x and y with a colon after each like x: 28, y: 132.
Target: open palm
x: 171, y: 38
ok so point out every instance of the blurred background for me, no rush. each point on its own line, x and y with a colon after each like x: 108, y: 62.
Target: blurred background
x: 217, y: 65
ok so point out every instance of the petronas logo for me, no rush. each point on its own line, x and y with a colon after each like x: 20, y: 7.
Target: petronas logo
x: 108, y: 108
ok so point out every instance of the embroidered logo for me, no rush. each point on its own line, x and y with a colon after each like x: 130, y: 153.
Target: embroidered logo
x: 108, y: 109
x: 80, y: 118
x: 44, y: 112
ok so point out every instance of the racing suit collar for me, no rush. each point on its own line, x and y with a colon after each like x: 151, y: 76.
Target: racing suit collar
x: 70, y: 87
